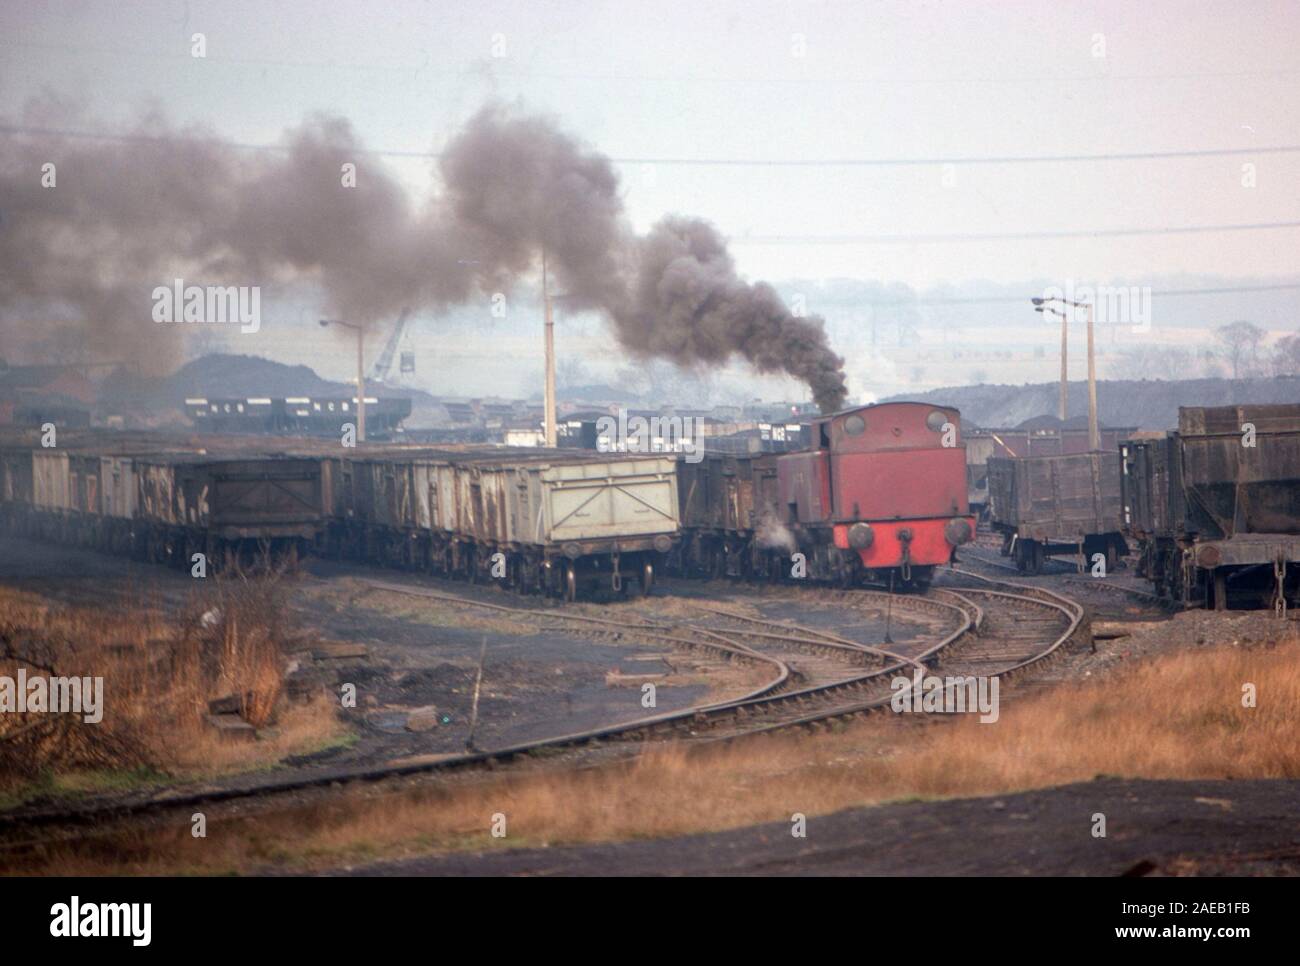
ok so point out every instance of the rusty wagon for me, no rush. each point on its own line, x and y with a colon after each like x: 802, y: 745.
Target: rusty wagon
x: 1215, y: 505
x: 1049, y: 505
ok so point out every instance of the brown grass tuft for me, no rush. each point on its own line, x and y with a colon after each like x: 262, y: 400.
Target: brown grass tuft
x: 160, y: 671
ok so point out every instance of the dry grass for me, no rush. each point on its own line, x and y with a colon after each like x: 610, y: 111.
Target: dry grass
x: 159, y: 672
x: 1174, y: 717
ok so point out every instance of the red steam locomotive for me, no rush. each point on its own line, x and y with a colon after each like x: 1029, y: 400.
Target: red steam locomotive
x: 880, y: 496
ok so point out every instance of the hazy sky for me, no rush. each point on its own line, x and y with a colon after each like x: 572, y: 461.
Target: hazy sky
x: 770, y: 81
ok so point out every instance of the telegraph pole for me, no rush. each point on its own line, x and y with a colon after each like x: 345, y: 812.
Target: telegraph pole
x: 361, y: 373
x: 1041, y: 305
x: 1063, y: 404
x: 549, y: 403
x: 1094, y: 437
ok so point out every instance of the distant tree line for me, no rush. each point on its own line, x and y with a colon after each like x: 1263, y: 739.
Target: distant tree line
x: 1240, y: 351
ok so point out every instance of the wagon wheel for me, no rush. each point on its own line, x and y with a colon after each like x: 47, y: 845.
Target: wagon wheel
x: 1158, y: 572
x: 570, y: 582
x: 647, y: 577
x: 529, y: 575
x: 1035, y: 559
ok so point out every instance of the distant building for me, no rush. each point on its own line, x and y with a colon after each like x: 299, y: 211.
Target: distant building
x: 523, y: 432
x: 294, y: 415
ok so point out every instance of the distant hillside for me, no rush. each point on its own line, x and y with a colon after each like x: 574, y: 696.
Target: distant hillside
x: 239, y: 375
x: 1146, y: 404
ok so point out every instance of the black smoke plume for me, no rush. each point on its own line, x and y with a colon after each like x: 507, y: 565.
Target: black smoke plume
x: 131, y: 213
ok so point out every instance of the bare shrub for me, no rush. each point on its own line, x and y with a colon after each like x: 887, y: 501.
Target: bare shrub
x: 160, y: 672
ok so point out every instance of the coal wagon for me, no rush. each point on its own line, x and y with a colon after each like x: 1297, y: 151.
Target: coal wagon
x: 1049, y: 505
x: 154, y: 501
x: 270, y: 507
x: 1215, y: 505
x: 548, y: 521
x: 730, y: 511
x: 1028, y: 441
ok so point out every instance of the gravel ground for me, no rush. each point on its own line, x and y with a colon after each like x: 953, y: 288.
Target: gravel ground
x: 1152, y: 827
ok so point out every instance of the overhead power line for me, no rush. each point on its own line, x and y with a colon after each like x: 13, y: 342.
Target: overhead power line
x: 27, y: 130
x: 1019, y: 298
x: 485, y: 67
x: 988, y: 159
x: 998, y: 236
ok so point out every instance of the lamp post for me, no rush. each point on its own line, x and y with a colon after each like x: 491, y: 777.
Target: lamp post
x: 361, y: 373
x: 1041, y: 305
x: 1062, y: 403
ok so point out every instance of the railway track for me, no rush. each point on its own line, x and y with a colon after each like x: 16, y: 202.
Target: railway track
x: 987, y: 632
x: 1099, y: 592
x: 1007, y: 633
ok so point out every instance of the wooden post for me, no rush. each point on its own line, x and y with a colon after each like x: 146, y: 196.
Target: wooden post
x: 478, y: 684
